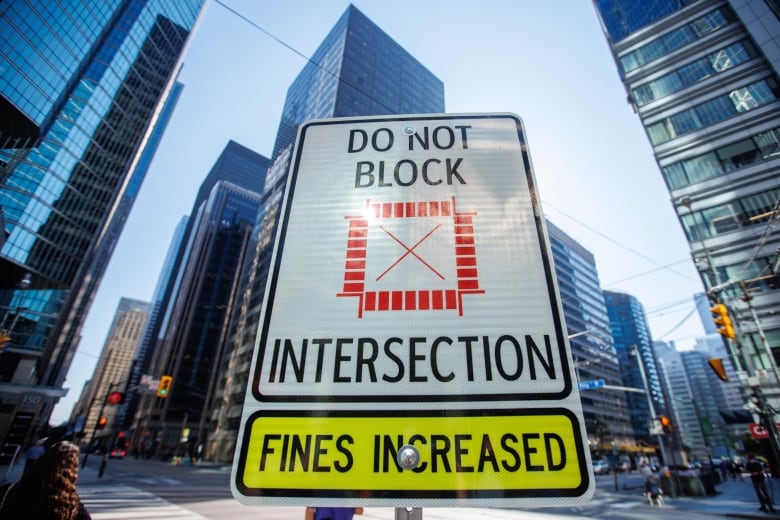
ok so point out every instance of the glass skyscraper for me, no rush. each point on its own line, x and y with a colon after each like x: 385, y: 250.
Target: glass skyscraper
x: 605, y: 410
x: 201, y: 289
x: 703, y: 78
x: 80, y: 94
x: 357, y: 70
x: 634, y: 345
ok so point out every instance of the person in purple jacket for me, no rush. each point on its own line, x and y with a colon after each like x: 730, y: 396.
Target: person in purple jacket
x: 332, y: 513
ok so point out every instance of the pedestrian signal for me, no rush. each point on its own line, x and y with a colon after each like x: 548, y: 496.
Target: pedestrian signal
x: 101, y: 423
x: 723, y: 321
x: 165, y: 386
x: 666, y: 423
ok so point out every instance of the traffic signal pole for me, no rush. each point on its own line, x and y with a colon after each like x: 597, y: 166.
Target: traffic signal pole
x: 98, y: 426
x: 744, y: 365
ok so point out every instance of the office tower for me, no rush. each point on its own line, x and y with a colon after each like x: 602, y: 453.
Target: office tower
x: 358, y: 70
x: 605, y: 410
x: 236, y: 164
x: 703, y: 78
x: 112, y: 373
x: 193, y: 327
x: 637, y: 360
x: 686, y: 432
x: 80, y: 93
x: 706, y: 389
x: 145, y: 349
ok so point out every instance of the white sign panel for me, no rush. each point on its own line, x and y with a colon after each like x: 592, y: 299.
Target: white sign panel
x: 412, y: 300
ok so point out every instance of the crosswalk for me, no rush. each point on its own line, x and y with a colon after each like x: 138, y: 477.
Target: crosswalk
x: 118, y: 502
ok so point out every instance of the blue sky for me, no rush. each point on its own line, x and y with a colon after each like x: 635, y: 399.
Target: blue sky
x: 547, y: 62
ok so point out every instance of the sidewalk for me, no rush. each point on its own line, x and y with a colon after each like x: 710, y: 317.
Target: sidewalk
x: 734, y: 499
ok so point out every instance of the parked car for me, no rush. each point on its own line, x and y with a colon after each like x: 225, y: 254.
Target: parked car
x: 600, y: 467
x: 118, y: 453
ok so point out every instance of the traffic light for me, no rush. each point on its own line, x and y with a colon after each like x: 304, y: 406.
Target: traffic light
x: 717, y: 365
x: 723, y: 321
x: 666, y: 423
x: 165, y: 386
x: 5, y: 339
x: 101, y: 423
x: 115, y: 398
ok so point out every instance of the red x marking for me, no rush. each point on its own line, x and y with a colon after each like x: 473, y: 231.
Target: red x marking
x: 410, y: 251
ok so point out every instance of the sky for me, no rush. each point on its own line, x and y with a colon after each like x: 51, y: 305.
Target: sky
x: 547, y: 62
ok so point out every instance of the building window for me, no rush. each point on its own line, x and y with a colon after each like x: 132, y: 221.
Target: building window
x: 740, y: 213
x: 760, y: 147
x: 713, y: 111
x: 676, y: 39
x: 693, y: 72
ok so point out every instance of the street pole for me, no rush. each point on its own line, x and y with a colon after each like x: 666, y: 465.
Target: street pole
x: 95, y: 427
x: 653, y: 415
x: 650, y: 404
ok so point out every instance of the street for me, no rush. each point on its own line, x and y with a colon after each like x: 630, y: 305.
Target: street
x: 150, y: 489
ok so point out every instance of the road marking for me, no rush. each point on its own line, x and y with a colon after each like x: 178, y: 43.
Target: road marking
x: 128, y: 503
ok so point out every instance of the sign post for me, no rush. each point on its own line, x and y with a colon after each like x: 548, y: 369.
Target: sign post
x: 411, y: 306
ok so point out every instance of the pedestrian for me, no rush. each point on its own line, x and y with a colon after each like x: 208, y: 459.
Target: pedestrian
x: 332, y: 513
x: 33, y: 454
x: 48, y: 490
x: 756, y: 470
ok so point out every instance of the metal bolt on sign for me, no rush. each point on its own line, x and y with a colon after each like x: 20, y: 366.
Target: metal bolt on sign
x: 408, y: 458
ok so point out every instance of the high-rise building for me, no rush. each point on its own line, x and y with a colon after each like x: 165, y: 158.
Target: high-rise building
x: 703, y: 78
x: 146, y: 348
x: 686, y: 435
x: 112, y: 372
x: 706, y: 402
x: 358, y: 70
x: 80, y: 95
x: 193, y: 328
x: 637, y: 360
x: 241, y: 167
x: 605, y: 410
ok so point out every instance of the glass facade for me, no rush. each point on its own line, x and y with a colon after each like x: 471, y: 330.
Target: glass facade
x: 195, y: 298
x: 358, y: 70
x: 89, y: 78
x: 634, y: 345
x: 703, y: 78
x: 623, y: 17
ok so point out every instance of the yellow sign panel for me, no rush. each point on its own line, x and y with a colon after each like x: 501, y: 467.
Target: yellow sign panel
x: 462, y: 454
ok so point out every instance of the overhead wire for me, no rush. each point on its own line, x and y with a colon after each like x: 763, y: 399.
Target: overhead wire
x: 676, y: 326
x: 622, y: 246
x: 302, y: 55
x: 369, y: 96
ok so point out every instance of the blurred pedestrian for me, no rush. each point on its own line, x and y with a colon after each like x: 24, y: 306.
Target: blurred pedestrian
x: 332, y: 513
x: 756, y: 470
x: 48, y: 490
x: 33, y: 454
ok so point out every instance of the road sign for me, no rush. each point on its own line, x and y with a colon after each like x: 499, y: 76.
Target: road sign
x: 590, y: 385
x: 411, y: 300
x: 758, y: 432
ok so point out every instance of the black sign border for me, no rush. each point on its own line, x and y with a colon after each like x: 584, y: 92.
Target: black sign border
x: 546, y: 261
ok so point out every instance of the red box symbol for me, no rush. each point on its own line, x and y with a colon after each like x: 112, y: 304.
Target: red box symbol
x: 466, y: 280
